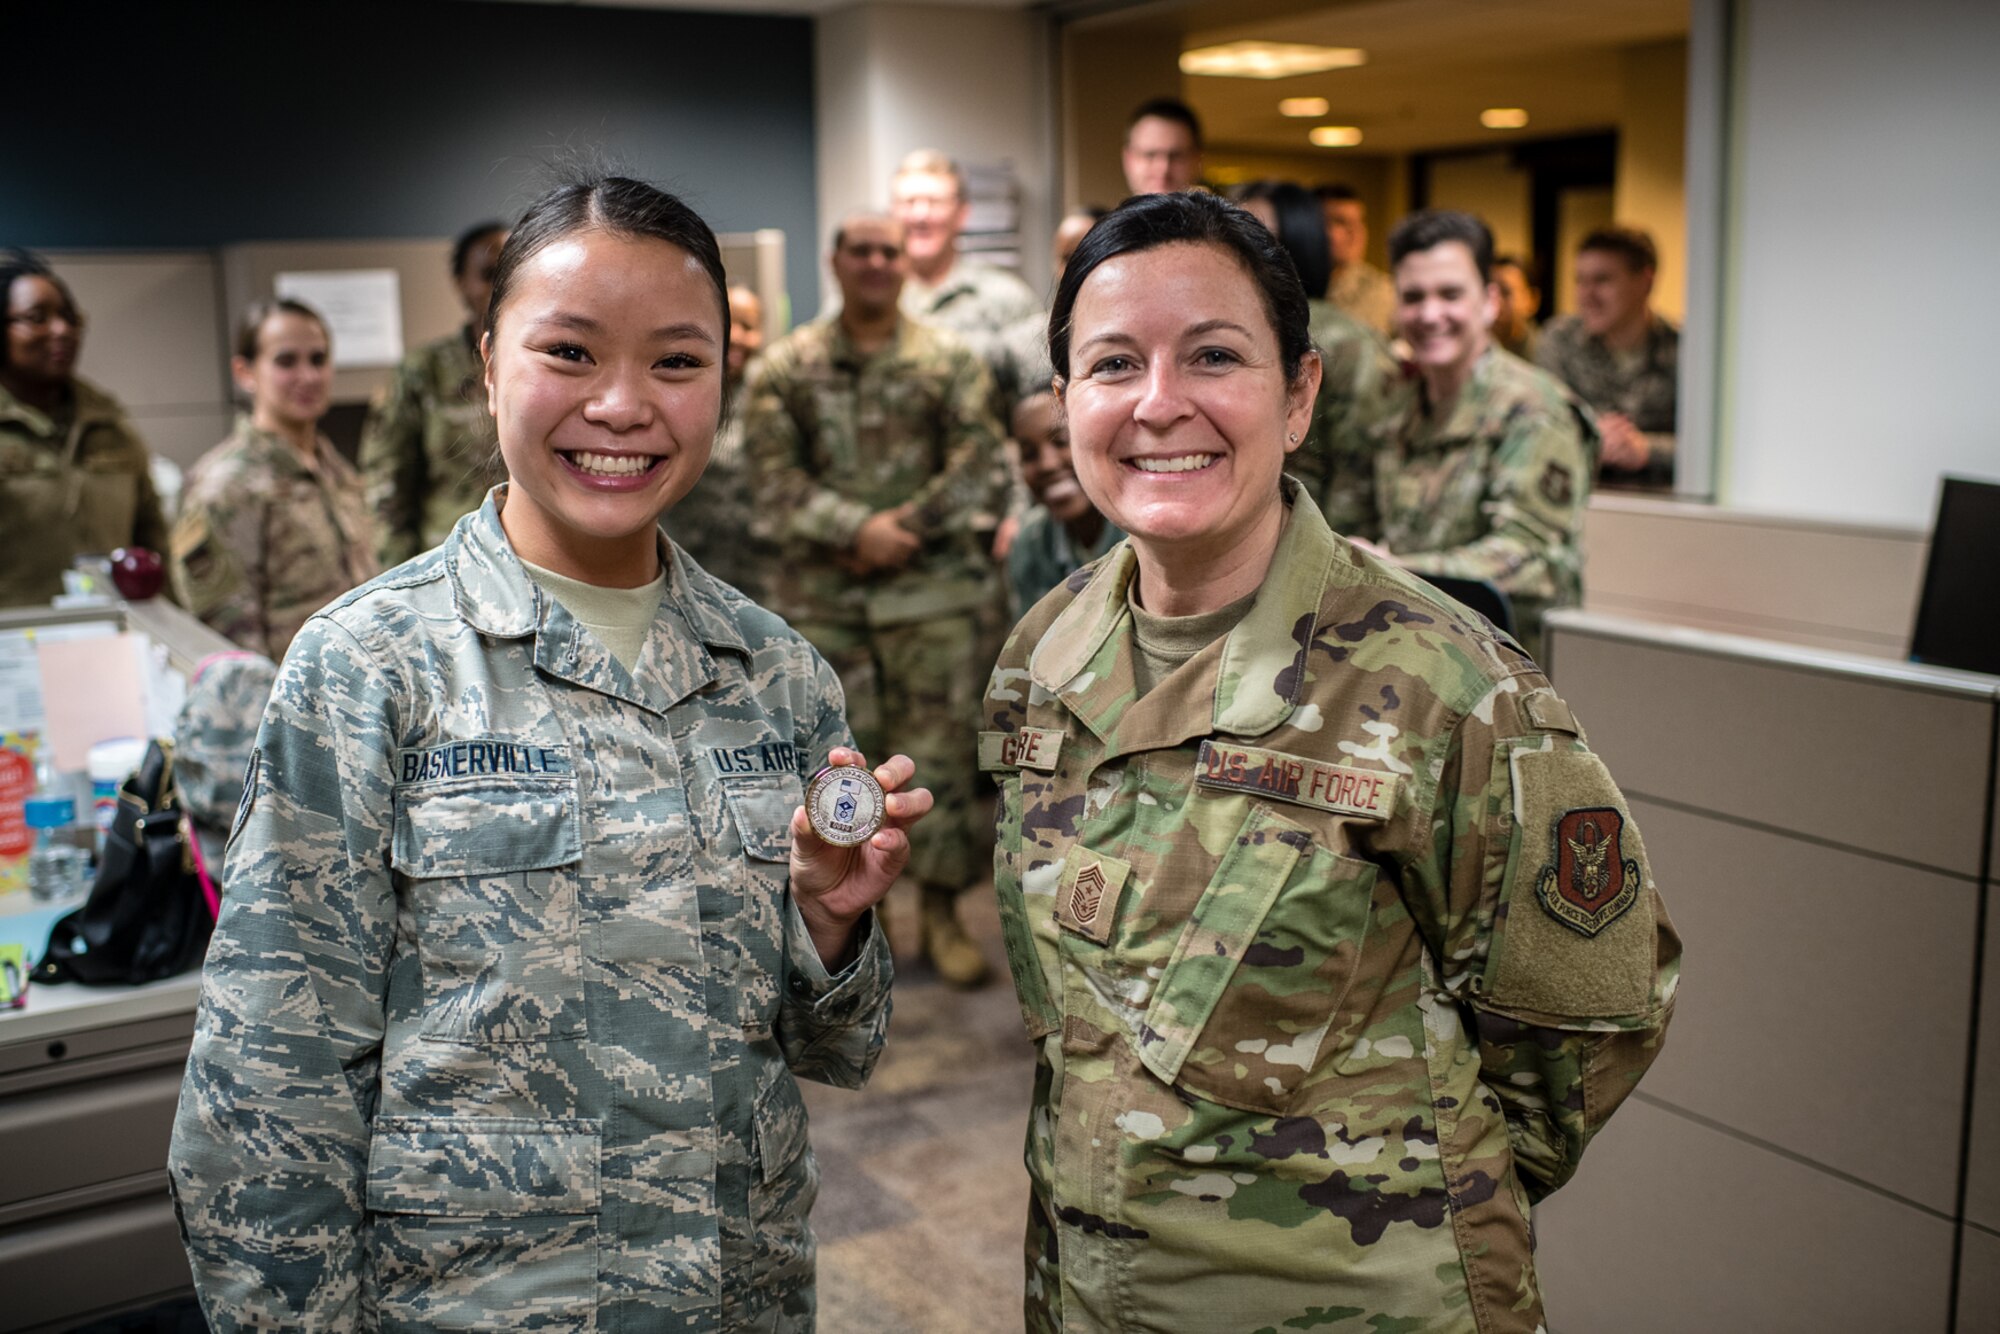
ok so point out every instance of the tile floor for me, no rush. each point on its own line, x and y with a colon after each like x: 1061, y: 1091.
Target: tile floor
x: 922, y: 1193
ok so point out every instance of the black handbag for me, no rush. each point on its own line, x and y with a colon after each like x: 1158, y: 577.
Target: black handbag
x: 149, y: 914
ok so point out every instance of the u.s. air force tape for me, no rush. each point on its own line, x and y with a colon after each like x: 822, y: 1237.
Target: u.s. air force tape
x: 1367, y: 794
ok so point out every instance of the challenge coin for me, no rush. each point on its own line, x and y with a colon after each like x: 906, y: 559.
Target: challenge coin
x: 845, y: 804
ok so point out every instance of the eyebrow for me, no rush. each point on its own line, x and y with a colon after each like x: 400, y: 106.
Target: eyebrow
x: 1192, y: 331
x: 585, y: 324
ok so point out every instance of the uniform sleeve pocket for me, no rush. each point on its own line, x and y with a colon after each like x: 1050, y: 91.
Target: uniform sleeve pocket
x: 486, y: 828
x: 1242, y: 1011
x: 487, y: 1167
x: 762, y: 808
x: 780, y: 1126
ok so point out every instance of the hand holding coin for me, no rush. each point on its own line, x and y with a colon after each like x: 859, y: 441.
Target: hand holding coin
x: 849, y: 843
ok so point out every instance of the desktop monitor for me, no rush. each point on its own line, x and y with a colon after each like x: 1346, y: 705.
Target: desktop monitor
x: 1958, y: 617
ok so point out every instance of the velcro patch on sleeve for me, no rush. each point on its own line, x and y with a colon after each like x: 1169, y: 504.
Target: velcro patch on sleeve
x: 1546, y: 710
x: 1367, y: 794
x: 1087, y: 895
x: 1029, y: 748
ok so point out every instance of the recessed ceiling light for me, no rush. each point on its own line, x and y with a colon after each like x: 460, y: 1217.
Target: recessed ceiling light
x: 1335, y: 136
x: 1302, y: 106
x: 1503, y: 118
x: 1268, y: 60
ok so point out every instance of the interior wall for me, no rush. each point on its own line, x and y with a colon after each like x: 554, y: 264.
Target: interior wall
x: 1490, y: 185
x: 1860, y: 277
x: 1652, y: 161
x: 1107, y: 71
x: 972, y: 82
x: 273, y: 122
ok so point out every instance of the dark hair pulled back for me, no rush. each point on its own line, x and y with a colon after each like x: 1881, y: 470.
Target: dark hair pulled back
x: 1146, y: 222
x: 616, y: 204
x: 461, y: 249
x: 18, y: 263
x: 1428, y: 228
x: 250, y: 328
x: 1301, y: 229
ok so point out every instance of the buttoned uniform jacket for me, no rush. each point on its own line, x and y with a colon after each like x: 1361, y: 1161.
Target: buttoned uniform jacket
x: 1323, y: 992
x: 503, y: 1017
x: 68, y: 489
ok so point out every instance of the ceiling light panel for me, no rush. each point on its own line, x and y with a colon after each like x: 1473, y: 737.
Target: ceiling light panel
x: 1335, y: 136
x: 1306, y: 107
x: 1269, y: 60
x: 1503, y: 118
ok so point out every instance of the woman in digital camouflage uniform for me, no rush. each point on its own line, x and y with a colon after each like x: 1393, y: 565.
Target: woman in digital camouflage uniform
x: 1337, y: 942
x: 524, y: 935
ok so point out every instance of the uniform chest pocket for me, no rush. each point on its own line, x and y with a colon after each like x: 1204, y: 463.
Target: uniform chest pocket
x: 1243, y: 1009
x: 491, y: 873
x: 761, y: 809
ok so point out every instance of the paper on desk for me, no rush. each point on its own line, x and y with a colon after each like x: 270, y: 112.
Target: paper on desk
x: 21, y: 673
x: 92, y: 690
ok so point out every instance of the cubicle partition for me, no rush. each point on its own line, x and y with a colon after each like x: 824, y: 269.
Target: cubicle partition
x: 1816, y: 1148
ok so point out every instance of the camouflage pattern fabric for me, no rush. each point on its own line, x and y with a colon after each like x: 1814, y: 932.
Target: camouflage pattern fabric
x: 1360, y: 389
x: 73, y: 484
x: 716, y: 521
x: 263, y: 541
x: 1310, y: 1039
x: 428, y: 447
x: 984, y: 305
x: 505, y: 1009
x: 214, y: 735
x: 1494, y: 490
x: 1043, y: 556
x: 1580, y: 360
x: 1366, y: 294
x: 833, y: 439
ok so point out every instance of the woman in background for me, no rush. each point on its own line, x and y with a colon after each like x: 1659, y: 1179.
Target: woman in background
x: 274, y: 522
x: 74, y: 475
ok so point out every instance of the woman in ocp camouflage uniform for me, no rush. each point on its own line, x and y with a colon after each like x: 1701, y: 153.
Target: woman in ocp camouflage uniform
x: 1337, y: 942
x: 524, y: 935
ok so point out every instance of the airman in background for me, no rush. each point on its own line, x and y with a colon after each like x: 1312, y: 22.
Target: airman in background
x: 1162, y: 147
x: 715, y: 524
x: 1619, y: 355
x: 427, y: 449
x: 1486, y: 473
x: 875, y: 455
x: 1357, y: 287
x: 1515, y: 327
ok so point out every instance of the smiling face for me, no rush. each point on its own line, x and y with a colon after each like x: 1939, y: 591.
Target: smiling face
x: 869, y: 264
x: 604, y: 376
x: 1610, y: 291
x: 1443, y: 310
x: 928, y: 205
x: 44, y: 331
x: 290, y: 380
x: 1043, y: 438
x: 1177, y: 403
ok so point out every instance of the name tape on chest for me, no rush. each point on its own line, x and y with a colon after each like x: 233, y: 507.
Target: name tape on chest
x: 1029, y: 748
x: 1366, y: 794
x: 481, y: 758
x: 763, y: 757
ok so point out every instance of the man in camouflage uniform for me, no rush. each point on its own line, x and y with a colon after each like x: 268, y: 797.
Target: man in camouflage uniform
x: 984, y: 305
x: 1360, y: 389
x: 1358, y: 287
x: 503, y: 1018
x: 1619, y: 356
x: 714, y: 524
x: 874, y: 450
x: 428, y: 447
x: 1486, y: 473
x: 265, y: 539
x: 1338, y: 946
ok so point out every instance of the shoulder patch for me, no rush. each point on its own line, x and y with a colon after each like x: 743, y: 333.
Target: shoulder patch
x: 1558, y: 487
x: 1546, y: 710
x: 1589, y: 883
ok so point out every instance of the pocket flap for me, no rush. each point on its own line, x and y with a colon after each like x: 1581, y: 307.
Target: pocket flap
x: 781, y: 1126
x: 486, y: 827
x: 762, y: 808
x: 488, y: 1166
x: 1225, y: 921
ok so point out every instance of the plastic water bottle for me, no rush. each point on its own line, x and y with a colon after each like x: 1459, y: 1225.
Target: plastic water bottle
x: 56, y: 864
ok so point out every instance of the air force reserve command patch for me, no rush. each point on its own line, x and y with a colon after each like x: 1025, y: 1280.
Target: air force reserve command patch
x: 1588, y: 882
x: 1366, y: 794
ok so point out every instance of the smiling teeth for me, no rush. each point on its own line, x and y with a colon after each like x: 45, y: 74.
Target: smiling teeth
x: 612, y: 465
x: 1184, y: 463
